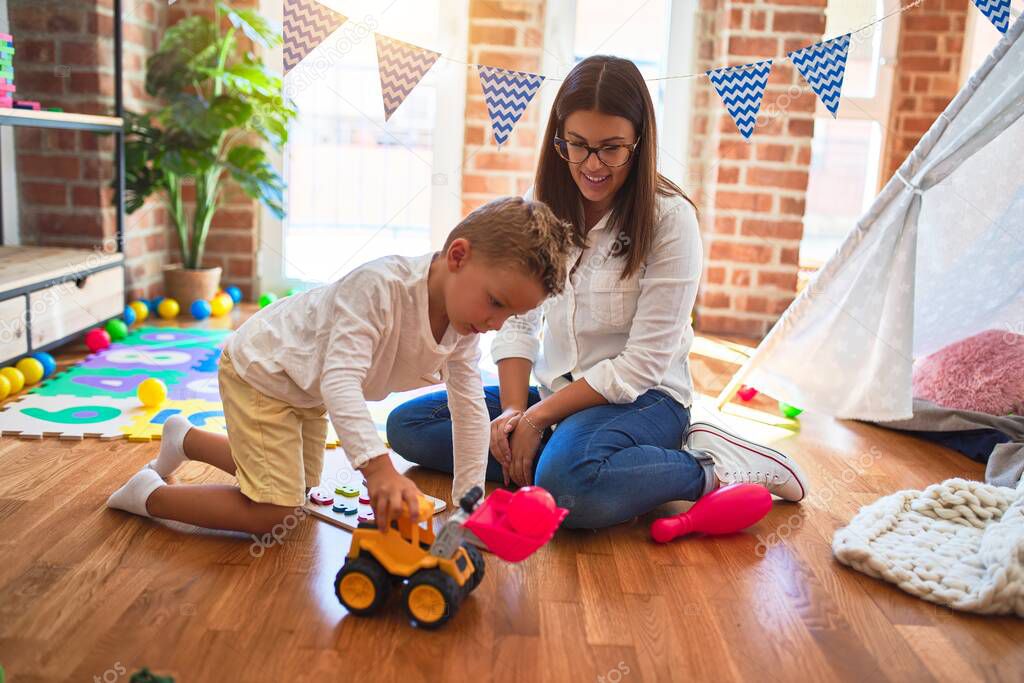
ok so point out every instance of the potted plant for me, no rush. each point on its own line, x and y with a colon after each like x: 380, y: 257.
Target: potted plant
x: 220, y: 103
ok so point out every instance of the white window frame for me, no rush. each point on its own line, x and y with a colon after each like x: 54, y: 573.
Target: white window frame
x: 674, y: 131
x: 447, y: 145
x: 878, y: 107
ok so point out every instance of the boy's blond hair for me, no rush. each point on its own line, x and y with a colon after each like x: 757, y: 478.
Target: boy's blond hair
x: 513, y: 230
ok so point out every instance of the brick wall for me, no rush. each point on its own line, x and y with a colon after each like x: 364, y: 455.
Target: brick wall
x: 927, y: 74
x: 65, y: 58
x: 751, y: 195
x: 507, y: 34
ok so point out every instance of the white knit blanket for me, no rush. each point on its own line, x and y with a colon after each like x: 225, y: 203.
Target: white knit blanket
x: 959, y: 543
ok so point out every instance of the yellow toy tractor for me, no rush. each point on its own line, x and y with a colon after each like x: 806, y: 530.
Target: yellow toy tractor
x: 439, y: 572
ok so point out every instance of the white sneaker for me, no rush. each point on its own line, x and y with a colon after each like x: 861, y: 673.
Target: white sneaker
x: 738, y: 460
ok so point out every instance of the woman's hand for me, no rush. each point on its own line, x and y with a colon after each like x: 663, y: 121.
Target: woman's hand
x: 525, y: 444
x: 501, y: 429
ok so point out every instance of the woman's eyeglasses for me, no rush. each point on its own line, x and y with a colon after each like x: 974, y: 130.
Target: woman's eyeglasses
x: 609, y: 155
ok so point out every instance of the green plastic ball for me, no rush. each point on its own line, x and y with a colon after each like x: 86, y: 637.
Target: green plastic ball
x: 267, y: 299
x: 117, y: 329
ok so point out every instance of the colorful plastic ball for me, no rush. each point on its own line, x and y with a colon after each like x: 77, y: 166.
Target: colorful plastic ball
x: 788, y: 410
x: 116, y: 329
x: 291, y: 291
x: 152, y: 392
x: 5, y: 387
x: 141, y: 310
x: 48, y: 361
x: 97, y: 339
x: 32, y: 369
x: 200, y: 309
x: 168, y: 309
x: 221, y: 305
x: 154, y: 304
x: 267, y: 299
x: 129, y: 316
x: 746, y: 393
x: 531, y: 510
x: 235, y: 293
x: 15, y: 377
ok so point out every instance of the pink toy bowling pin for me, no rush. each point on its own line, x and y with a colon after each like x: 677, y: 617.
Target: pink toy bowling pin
x: 723, y: 511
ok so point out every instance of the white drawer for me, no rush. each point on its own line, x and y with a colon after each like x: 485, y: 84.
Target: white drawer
x: 71, y: 307
x: 13, y: 340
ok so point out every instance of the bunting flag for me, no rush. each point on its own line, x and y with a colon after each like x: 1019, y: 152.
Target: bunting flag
x: 507, y: 94
x: 307, y: 23
x: 741, y: 89
x: 823, y: 66
x: 997, y: 11
x: 401, y: 67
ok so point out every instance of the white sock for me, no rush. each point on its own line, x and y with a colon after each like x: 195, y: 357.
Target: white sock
x: 133, y: 495
x: 172, y: 446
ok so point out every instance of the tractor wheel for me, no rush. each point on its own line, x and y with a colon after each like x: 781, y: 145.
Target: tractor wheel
x: 431, y: 598
x: 362, y: 585
x: 477, y: 558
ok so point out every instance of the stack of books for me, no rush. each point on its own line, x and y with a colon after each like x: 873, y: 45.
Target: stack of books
x: 6, y: 70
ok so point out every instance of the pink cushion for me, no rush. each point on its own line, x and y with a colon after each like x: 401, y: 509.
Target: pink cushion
x: 983, y: 373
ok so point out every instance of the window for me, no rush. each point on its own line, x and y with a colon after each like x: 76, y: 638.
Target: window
x: 656, y: 35
x: 980, y: 36
x: 846, y: 151
x: 360, y: 188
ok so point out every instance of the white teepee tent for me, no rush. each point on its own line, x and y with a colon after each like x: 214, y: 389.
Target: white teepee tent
x: 938, y: 257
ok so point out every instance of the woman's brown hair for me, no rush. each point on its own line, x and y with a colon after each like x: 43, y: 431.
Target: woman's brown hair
x: 614, y: 86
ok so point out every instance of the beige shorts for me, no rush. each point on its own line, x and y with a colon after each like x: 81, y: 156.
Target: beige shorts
x: 278, y: 449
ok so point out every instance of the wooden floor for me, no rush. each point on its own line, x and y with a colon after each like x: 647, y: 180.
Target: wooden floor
x: 87, y: 593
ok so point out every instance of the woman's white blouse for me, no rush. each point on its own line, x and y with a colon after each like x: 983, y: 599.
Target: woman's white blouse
x: 623, y: 336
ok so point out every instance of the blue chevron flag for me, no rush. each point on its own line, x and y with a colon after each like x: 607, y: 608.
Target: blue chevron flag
x: 741, y: 89
x: 307, y: 23
x: 997, y: 11
x: 507, y: 94
x: 823, y: 66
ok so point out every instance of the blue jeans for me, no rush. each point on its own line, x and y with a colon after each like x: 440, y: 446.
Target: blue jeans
x: 605, y: 464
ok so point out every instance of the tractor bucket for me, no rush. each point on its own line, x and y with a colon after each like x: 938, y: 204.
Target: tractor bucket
x: 491, y: 523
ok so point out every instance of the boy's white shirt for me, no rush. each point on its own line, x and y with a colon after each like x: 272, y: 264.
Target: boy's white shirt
x: 362, y: 338
x: 624, y: 336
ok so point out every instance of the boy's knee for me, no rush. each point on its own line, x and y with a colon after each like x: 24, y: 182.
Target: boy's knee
x: 275, y: 521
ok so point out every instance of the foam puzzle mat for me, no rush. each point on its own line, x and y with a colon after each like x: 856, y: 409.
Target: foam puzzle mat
x: 96, y: 398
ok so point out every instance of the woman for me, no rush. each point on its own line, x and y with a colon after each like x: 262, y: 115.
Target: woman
x: 612, y: 367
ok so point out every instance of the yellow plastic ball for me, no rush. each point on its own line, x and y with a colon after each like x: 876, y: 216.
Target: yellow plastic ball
x: 141, y: 310
x: 32, y: 369
x: 168, y: 309
x: 152, y: 392
x: 15, y: 377
x: 221, y: 305
x: 5, y: 387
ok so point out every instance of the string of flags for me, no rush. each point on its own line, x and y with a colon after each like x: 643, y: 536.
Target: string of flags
x: 507, y: 93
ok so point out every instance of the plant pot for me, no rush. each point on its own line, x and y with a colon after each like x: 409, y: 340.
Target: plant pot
x: 185, y: 285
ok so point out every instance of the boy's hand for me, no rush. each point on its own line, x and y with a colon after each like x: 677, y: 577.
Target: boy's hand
x: 389, y: 490
x: 501, y: 431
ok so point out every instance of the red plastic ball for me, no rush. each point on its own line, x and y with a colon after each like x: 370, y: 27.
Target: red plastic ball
x: 97, y: 340
x: 531, y: 510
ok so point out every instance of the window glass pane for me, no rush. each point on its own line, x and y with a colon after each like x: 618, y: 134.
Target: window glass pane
x: 863, y: 61
x: 631, y: 29
x: 843, y: 180
x: 358, y: 188
x: 982, y: 36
